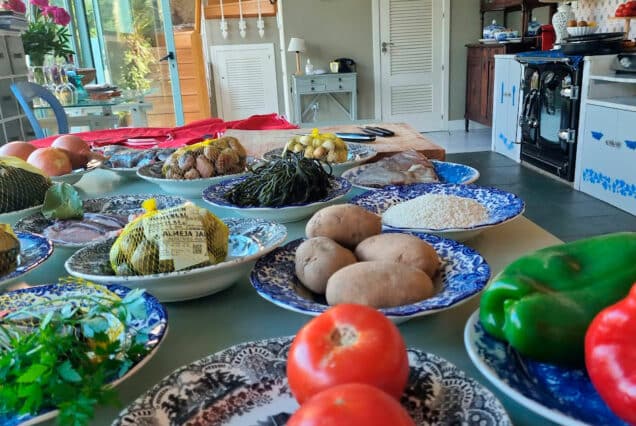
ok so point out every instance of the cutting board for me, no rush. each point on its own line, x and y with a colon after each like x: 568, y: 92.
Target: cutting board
x: 258, y: 142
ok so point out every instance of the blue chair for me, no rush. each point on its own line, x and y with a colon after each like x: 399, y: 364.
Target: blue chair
x: 25, y: 92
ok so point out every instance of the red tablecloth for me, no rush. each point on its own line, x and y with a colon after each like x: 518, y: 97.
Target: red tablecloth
x: 174, y: 137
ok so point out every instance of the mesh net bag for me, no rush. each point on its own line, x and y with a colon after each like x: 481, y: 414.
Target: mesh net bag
x: 21, y: 185
x: 169, y: 240
x: 212, y: 157
x: 320, y: 146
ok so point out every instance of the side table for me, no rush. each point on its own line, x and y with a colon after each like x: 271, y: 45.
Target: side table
x: 320, y: 85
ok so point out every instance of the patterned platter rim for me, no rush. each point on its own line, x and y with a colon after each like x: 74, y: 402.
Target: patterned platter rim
x: 361, y: 154
x: 513, y: 206
x: 472, y: 173
x: 214, y: 195
x: 143, y: 172
x: 43, y: 250
x: 281, y: 260
x: 428, y: 372
x: 279, y: 229
x: 35, y: 222
x: 155, y: 338
x: 475, y: 346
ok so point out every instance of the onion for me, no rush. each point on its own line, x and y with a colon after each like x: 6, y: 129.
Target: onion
x: 77, y: 150
x: 53, y: 161
x: 17, y: 149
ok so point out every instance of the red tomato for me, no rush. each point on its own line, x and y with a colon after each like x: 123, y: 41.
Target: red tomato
x: 351, y: 404
x: 347, y: 344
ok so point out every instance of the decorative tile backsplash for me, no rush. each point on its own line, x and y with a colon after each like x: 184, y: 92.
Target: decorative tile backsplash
x: 600, y: 11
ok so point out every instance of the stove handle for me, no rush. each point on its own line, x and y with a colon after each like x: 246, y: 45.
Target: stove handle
x: 612, y: 143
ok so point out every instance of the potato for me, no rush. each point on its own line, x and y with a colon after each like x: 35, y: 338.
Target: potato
x: 400, y: 248
x: 317, y: 259
x: 346, y: 224
x: 378, y: 284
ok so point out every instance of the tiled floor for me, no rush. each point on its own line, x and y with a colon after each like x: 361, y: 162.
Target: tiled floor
x: 555, y: 206
x: 461, y: 141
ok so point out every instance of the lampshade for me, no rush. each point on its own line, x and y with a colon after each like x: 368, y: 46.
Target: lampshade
x: 296, y: 45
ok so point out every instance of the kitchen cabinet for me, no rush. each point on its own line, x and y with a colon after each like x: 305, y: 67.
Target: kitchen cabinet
x: 13, y: 123
x: 480, y: 76
x: 608, y: 156
x: 506, y: 101
x: 525, y: 6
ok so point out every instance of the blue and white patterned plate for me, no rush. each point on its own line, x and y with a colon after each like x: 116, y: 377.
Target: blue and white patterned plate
x: 284, y: 214
x: 34, y: 250
x: 446, y: 171
x: 501, y: 206
x: 156, y: 320
x: 463, y: 273
x: 247, y: 384
x: 565, y: 396
x: 356, y: 154
x: 249, y: 240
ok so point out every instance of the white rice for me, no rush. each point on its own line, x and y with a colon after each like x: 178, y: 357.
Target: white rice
x: 436, y: 211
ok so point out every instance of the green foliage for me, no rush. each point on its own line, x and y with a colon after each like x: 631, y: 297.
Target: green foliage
x: 43, y: 37
x: 65, y: 361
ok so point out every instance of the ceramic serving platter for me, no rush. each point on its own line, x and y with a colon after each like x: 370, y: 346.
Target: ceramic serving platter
x: 565, y: 396
x: 34, y: 250
x: 123, y: 172
x: 246, y: 385
x: 249, y: 240
x: 446, y: 171
x: 122, y: 206
x: 71, y: 178
x: 356, y: 154
x: 155, y: 319
x: 12, y: 217
x: 463, y: 274
x: 191, y: 188
x: 214, y: 195
x: 501, y: 206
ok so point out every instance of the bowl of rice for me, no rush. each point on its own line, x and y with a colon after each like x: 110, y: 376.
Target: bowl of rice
x: 458, y: 212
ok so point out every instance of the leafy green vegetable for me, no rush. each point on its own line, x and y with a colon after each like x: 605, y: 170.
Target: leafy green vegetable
x: 65, y: 359
x: 282, y: 181
x: 62, y: 201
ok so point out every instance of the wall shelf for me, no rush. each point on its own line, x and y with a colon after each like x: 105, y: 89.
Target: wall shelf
x: 627, y: 103
x: 622, y: 78
x: 231, y: 8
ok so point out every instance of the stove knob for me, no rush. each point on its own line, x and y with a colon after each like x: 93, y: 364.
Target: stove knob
x: 625, y: 62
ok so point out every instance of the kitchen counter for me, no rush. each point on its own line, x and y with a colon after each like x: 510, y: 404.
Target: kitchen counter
x: 201, y: 327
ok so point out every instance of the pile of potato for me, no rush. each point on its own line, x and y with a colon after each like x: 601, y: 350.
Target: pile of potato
x: 347, y: 259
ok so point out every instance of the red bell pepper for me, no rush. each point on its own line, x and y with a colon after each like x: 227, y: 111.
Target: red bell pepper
x: 610, y: 356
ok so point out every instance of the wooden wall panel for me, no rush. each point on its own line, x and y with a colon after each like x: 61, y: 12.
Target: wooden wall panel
x: 231, y: 8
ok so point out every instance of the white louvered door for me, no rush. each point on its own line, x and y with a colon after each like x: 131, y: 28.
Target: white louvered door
x: 244, y: 80
x: 411, y: 33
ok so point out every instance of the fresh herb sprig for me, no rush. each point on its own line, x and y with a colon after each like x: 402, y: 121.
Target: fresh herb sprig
x: 282, y: 181
x: 78, y: 344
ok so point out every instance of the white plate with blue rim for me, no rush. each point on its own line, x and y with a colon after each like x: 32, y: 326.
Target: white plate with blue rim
x: 214, y: 195
x: 463, y: 274
x: 249, y: 240
x: 501, y: 206
x: 562, y: 395
x: 14, y: 216
x: 356, y: 154
x: 154, y: 322
x: 73, y: 177
x: 447, y: 172
x: 235, y: 387
x: 34, y: 250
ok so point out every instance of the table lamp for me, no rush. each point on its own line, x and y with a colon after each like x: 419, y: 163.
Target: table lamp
x: 297, y: 45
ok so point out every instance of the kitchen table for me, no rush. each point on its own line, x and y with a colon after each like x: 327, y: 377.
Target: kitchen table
x: 201, y: 327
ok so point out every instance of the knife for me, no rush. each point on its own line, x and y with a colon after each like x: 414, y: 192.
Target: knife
x: 356, y: 137
x: 381, y: 130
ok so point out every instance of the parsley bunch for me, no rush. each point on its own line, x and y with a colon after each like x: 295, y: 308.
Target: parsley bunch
x: 78, y: 345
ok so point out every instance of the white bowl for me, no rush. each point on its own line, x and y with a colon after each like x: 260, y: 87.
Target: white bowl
x: 581, y: 31
x: 249, y: 240
x: 185, y: 187
x: 284, y: 214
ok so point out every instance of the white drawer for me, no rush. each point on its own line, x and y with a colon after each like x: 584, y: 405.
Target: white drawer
x: 16, y: 55
x: 341, y: 83
x: 5, y: 62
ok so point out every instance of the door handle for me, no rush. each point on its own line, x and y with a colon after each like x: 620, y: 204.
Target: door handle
x: 385, y: 46
x: 169, y: 56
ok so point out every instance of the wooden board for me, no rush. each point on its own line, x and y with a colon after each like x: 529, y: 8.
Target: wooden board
x: 258, y: 142
x: 231, y: 9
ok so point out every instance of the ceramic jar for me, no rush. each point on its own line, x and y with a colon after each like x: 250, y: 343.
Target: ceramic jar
x: 490, y: 30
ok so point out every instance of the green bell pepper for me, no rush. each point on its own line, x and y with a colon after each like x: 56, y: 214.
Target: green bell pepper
x: 543, y: 302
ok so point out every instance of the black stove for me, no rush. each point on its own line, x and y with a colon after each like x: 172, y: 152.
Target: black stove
x: 550, y: 111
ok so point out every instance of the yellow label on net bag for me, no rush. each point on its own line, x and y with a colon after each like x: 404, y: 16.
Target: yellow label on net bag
x: 180, y: 236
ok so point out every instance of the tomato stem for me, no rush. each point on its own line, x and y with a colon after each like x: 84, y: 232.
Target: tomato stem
x: 344, y: 335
